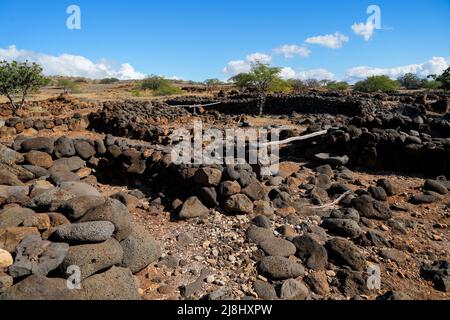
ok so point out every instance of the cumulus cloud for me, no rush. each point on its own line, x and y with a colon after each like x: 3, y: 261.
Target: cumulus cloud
x: 318, y: 74
x: 71, y: 65
x: 241, y: 66
x: 333, y: 41
x: 259, y: 57
x: 435, y: 65
x: 365, y: 30
x: 292, y: 50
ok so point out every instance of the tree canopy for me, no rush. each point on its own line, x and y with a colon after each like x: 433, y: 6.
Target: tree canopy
x: 18, y: 79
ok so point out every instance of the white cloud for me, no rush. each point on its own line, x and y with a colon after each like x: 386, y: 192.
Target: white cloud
x: 292, y: 50
x: 237, y: 66
x: 333, y: 41
x: 259, y: 57
x: 365, y: 30
x: 71, y: 65
x: 435, y: 65
x: 240, y: 66
x: 318, y: 74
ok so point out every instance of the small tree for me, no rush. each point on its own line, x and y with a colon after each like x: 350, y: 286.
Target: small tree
x: 261, y: 77
x: 68, y: 86
x: 444, y: 79
x: 297, y: 85
x: 153, y: 82
x: 376, y: 84
x: 410, y: 81
x: 212, y: 84
x: 19, y: 79
x: 312, y: 83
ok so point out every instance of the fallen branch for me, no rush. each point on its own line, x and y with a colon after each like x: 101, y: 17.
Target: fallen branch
x: 331, y: 205
x: 196, y: 105
x: 292, y: 139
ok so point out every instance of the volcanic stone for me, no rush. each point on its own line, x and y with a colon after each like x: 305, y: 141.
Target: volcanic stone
x: 83, y: 233
x: 344, y: 253
x: 45, y: 144
x: 37, y: 256
x: 114, y: 211
x: 139, y: 249
x: 39, y: 159
x: 311, y: 252
x: 238, y: 204
x: 91, y: 258
x: 292, y: 289
x: 342, y: 227
x: 84, y: 149
x: 279, y: 268
x: 193, y: 208
x: 277, y: 247
x: 64, y: 147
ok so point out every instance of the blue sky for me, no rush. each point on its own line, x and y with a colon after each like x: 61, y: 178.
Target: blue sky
x: 198, y: 39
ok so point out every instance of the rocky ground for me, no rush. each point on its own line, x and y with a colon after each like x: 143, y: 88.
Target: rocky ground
x: 100, y: 192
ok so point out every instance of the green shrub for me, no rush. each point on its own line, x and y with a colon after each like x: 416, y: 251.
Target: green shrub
x: 136, y: 93
x: 339, y: 86
x: 154, y: 83
x: 443, y: 79
x: 376, y: 84
x: 109, y: 81
x: 69, y: 86
x: 158, y: 86
x: 167, y: 91
x: 280, y: 86
x: 431, y: 84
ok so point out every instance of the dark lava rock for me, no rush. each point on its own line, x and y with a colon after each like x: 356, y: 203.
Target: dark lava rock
x: 371, y: 208
x: 439, y: 273
x: 342, y: 227
x: 38, y: 287
x: 37, y: 256
x: 257, y: 235
x: 114, y: 211
x: 280, y: 268
x: 84, y: 149
x: 344, y: 253
x: 423, y: 199
x: 311, y: 252
x: 292, y: 289
x: 277, y: 247
x: 332, y: 160
x: 82, y: 233
x: 139, y: 249
x: 265, y: 290
x: 77, y: 207
x: 45, y: 144
x: 208, y: 177
x: 238, y: 204
x: 387, y: 186
x: 114, y: 284
x: 378, y: 193
x: 262, y: 222
x: 91, y: 258
x: 64, y: 147
x: 436, y: 186
x: 193, y: 208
